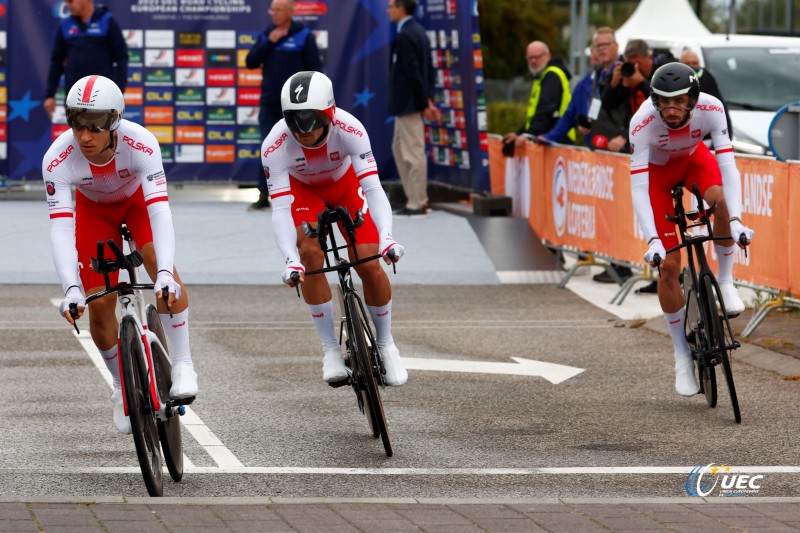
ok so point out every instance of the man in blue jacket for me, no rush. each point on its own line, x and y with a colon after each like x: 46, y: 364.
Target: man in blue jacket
x: 412, y: 80
x: 285, y: 48
x: 88, y: 42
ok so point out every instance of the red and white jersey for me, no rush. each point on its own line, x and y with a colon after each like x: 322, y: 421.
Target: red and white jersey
x: 136, y: 164
x: 346, y: 146
x: 347, y: 143
x: 653, y: 143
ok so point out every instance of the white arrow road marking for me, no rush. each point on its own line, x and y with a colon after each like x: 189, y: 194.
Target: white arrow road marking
x: 204, y: 436
x: 552, y: 372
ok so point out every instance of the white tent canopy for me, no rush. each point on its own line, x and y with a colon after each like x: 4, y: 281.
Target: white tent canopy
x: 661, y: 22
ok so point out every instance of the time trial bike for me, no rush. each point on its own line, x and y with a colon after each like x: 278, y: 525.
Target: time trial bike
x: 145, y: 367
x: 708, y: 330
x: 365, y: 368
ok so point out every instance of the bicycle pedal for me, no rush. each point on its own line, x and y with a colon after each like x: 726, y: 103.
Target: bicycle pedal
x: 180, y: 401
x: 340, y: 383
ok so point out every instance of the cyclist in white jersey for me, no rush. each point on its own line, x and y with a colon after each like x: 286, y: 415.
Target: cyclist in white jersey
x: 116, y: 170
x: 666, y: 136
x: 320, y: 156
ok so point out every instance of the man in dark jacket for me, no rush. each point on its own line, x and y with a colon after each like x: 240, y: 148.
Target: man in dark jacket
x: 283, y: 49
x: 88, y: 42
x: 550, y: 95
x: 412, y: 80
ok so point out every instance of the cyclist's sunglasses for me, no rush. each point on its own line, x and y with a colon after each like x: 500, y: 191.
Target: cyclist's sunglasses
x: 306, y: 120
x: 94, y: 121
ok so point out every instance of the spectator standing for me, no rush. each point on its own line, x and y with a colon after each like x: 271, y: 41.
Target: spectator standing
x: 87, y: 42
x: 412, y: 81
x: 284, y: 48
x: 585, y: 103
x: 708, y: 84
x: 549, y: 97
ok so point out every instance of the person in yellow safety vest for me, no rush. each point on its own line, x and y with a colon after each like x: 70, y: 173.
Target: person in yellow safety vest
x: 550, y: 95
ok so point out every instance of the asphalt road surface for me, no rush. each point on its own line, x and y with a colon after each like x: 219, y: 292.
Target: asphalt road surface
x: 265, y: 424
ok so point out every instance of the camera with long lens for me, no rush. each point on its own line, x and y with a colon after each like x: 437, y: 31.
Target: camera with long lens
x: 628, y: 69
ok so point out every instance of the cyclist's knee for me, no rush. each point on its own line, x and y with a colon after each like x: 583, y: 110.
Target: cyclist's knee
x: 370, y: 270
x: 670, y: 271
x: 311, y: 255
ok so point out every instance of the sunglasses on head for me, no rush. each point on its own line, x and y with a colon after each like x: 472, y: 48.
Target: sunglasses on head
x: 94, y: 121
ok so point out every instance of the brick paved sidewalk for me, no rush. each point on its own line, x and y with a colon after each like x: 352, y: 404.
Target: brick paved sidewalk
x: 462, y: 516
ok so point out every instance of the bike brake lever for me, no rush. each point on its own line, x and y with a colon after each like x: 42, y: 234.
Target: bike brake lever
x: 391, y: 255
x: 73, y: 312
x: 165, y: 297
x: 745, y: 242
x: 657, y: 261
x: 295, y: 276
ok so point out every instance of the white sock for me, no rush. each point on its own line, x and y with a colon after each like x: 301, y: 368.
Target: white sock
x: 177, y: 329
x: 322, y: 315
x: 382, y: 318
x: 675, y: 324
x: 725, y: 256
x: 112, y: 364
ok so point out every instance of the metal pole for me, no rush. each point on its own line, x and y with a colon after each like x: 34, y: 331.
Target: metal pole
x: 573, y: 25
x: 583, y: 63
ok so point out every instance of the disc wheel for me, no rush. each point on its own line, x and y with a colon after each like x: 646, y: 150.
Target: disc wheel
x: 169, y: 432
x: 137, y: 397
x: 373, y: 406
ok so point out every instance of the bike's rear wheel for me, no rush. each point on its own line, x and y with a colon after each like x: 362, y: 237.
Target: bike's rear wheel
x: 721, y: 343
x: 697, y: 337
x: 169, y: 432
x: 140, y: 410
x: 364, y: 371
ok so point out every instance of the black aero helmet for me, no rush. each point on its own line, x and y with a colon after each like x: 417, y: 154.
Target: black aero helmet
x: 674, y: 79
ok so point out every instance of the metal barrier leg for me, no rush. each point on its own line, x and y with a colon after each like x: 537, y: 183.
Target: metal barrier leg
x: 589, y: 261
x: 626, y: 288
x: 781, y: 302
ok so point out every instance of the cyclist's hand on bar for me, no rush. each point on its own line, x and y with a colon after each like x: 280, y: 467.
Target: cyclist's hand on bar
x: 386, y: 245
x: 737, y: 230
x: 654, y: 248
x: 73, y: 296
x: 164, y: 279
x: 292, y: 267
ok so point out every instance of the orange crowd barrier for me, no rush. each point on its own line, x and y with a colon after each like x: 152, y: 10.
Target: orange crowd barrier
x: 792, y: 252
x: 579, y: 198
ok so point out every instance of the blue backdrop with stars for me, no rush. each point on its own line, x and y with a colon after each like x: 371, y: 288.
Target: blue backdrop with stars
x: 358, y: 35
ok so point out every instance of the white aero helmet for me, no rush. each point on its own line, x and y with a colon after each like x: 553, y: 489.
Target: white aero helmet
x: 307, y: 101
x: 96, y: 103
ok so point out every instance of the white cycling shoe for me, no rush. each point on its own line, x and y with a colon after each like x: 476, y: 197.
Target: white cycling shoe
x: 733, y: 303
x: 184, y: 381
x: 122, y: 422
x: 333, y: 367
x: 396, y: 373
x: 685, y: 382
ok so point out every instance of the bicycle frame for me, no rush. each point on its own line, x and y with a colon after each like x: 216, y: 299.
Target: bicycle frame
x: 697, y: 262
x: 131, y: 305
x: 343, y: 266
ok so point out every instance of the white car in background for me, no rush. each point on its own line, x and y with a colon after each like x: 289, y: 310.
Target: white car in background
x: 757, y: 75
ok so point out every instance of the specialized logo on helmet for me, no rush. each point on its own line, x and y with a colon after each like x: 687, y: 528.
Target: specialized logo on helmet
x: 61, y: 158
x: 136, y: 145
x: 297, y: 91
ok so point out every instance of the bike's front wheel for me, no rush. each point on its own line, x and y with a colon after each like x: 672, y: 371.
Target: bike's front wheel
x: 365, y: 374
x: 721, y: 343
x: 697, y: 337
x: 136, y: 381
x: 169, y: 431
